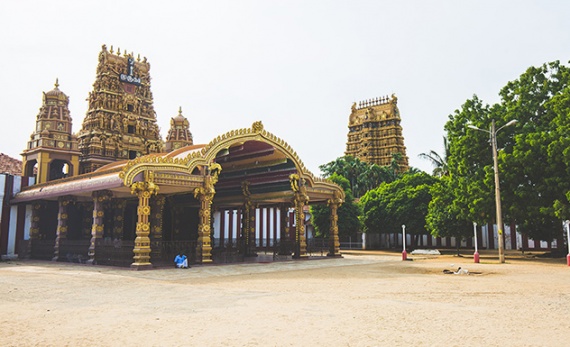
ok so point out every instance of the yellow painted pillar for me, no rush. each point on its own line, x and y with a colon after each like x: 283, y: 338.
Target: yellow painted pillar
x: 74, y: 166
x: 205, y: 195
x: 334, y: 243
x: 300, y: 199
x: 43, y: 167
x: 144, y: 190
x: 248, y: 222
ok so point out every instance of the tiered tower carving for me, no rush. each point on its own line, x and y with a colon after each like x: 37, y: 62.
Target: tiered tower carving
x: 120, y: 122
x: 179, y: 134
x: 52, y: 151
x: 375, y: 133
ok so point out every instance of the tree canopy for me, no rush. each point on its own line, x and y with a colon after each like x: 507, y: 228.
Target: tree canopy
x: 533, y: 154
x: 348, y: 213
x: 402, y: 202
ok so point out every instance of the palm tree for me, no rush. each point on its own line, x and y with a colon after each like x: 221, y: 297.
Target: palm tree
x: 440, y: 163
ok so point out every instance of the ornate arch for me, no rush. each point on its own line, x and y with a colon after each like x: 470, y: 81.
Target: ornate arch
x: 202, y: 157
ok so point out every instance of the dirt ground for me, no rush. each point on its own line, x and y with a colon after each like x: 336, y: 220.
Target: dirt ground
x: 362, y: 299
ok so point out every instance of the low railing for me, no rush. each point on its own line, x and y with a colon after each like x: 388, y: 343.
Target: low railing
x: 283, y: 249
x: 114, y: 253
x: 229, y: 252
x: 317, y: 247
x: 74, y: 251
x: 350, y: 245
x: 164, y: 252
x: 42, y: 249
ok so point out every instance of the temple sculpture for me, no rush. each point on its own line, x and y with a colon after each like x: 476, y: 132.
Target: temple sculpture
x: 52, y: 151
x: 375, y: 134
x: 179, y: 134
x: 120, y: 121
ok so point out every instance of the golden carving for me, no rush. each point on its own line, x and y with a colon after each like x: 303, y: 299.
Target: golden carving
x: 375, y: 133
x: 257, y: 127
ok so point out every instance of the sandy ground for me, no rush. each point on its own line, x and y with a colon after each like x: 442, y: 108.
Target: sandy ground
x: 363, y: 299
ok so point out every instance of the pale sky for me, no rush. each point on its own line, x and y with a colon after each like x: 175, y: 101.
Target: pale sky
x: 295, y: 65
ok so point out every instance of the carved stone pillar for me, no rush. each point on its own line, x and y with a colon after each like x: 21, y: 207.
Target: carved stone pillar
x: 35, y: 224
x: 156, y: 224
x: 61, y: 231
x: 300, y: 199
x: 284, y: 242
x: 205, y: 195
x: 99, y: 199
x: 144, y: 190
x: 248, y: 222
x: 119, y: 218
x: 334, y: 244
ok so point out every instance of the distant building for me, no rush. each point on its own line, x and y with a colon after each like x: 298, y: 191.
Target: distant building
x: 9, y: 165
x: 375, y: 134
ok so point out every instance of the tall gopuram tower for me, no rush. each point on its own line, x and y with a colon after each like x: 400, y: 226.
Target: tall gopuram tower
x: 179, y: 134
x: 375, y: 133
x: 120, y: 122
x: 52, y: 151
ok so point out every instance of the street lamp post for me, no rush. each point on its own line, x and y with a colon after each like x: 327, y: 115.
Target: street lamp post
x: 404, y: 253
x: 476, y: 254
x: 493, y: 134
x: 567, y: 227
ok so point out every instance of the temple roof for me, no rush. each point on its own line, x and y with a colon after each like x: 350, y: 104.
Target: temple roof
x: 10, y: 165
x: 252, y: 155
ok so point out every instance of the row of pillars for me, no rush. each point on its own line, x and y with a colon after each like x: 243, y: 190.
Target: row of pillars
x: 205, y: 194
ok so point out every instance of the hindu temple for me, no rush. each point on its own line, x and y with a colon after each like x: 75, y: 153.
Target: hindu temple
x: 375, y: 134
x: 116, y: 193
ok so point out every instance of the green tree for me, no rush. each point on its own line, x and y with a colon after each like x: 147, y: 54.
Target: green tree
x: 537, y: 174
x: 444, y: 215
x: 439, y: 162
x: 348, y: 213
x: 533, y: 154
x: 404, y: 201
x: 363, y: 176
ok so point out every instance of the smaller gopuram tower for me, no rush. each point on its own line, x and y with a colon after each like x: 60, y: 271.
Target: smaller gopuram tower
x: 120, y: 122
x: 375, y: 133
x: 179, y: 134
x: 52, y: 151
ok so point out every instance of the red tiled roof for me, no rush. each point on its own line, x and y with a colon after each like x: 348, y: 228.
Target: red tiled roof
x: 10, y: 165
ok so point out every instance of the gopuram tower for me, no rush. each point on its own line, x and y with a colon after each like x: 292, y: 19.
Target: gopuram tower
x: 120, y: 122
x: 179, y: 134
x: 52, y: 151
x: 375, y: 133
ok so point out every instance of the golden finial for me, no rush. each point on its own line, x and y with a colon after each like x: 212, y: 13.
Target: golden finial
x: 111, y: 49
x: 139, y: 57
x: 56, y: 83
x: 180, y: 110
x: 257, y: 127
x: 118, y: 50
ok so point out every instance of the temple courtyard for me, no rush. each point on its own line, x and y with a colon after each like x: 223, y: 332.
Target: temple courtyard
x: 362, y: 299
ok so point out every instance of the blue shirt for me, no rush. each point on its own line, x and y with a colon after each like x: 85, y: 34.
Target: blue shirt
x: 180, y: 259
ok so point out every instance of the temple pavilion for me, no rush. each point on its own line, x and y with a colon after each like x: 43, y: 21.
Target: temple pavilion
x: 116, y: 193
